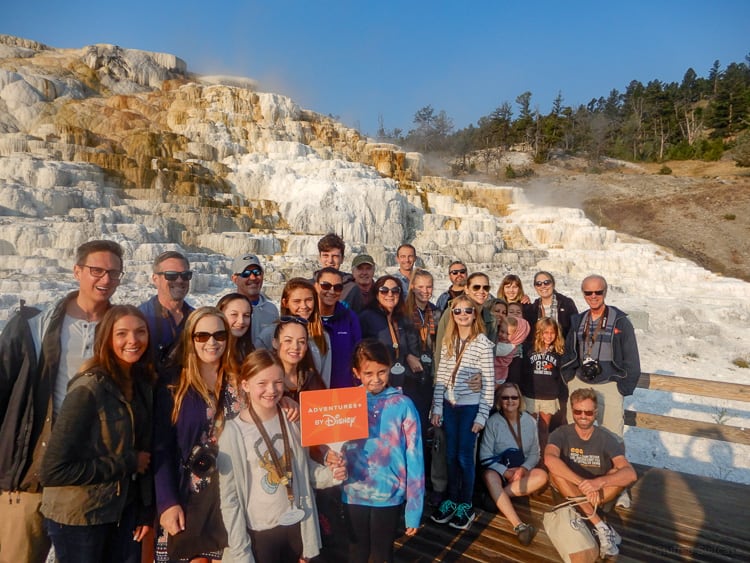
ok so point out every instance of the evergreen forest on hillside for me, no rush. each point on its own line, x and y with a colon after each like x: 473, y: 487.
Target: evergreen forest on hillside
x: 699, y: 118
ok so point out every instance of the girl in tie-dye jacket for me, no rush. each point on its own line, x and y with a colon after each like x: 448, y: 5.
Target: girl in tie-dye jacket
x: 386, y: 469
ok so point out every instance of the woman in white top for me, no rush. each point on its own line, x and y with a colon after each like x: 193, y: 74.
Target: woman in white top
x: 462, y: 413
x: 509, y: 453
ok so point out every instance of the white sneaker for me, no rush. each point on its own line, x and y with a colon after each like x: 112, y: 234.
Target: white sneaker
x: 623, y: 501
x: 608, y: 540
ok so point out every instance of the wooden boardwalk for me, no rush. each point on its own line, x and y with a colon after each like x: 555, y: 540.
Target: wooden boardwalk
x: 674, y: 517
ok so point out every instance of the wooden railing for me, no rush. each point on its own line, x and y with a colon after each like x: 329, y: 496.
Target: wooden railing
x: 697, y: 428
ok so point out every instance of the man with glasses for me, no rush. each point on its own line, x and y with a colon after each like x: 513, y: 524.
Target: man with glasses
x: 601, y: 353
x: 457, y: 273
x: 39, y: 353
x: 585, y: 460
x: 247, y: 274
x: 340, y: 322
x: 167, y: 311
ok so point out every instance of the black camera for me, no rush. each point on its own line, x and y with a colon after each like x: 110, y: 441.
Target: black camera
x: 202, y: 460
x: 590, y: 369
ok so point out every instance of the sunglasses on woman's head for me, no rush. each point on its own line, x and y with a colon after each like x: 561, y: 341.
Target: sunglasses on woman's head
x: 478, y: 287
x: 328, y: 286
x: 203, y: 337
x: 467, y: 310
x: 284, y: 319
x: 394, y: 290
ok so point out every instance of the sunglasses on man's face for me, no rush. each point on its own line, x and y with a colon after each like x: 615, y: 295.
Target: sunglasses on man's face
x: 478, y: 287
x: 467, y: 310
x: 457, y: 272
x: 328, y: 286
x: 170, y: 275
x: 393, y: 290
x: 257, y: 272
x: 579, y: 412
x: 595, y: 292
x: 544, y: 283
x: 203, y: 337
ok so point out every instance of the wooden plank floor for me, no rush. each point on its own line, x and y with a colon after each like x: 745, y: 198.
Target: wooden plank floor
x: 674, y: 517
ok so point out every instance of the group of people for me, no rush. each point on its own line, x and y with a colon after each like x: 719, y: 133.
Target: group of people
x: 173, y: 430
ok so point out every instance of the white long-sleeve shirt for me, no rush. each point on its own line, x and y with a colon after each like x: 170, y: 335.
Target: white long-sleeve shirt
x: 477, y: 357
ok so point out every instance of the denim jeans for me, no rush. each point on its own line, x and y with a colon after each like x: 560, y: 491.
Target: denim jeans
x: 460, y: 447
x: 79, y: 544
x: 96, y: 543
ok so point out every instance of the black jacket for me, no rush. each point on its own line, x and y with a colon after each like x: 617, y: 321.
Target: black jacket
x: 26, y: 384
x: 566, y: 308
x: 88, y: 467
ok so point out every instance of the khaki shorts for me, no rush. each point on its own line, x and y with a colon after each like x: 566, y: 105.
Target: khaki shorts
x: 549, y: 406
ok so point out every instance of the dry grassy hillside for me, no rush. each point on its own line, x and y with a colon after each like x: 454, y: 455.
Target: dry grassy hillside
x: 701, y: 210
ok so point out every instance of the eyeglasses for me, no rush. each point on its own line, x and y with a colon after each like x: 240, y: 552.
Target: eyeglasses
x: 170, y: 275
x: 467, y: 310
x: 478, y: 287
x: 509, y: 397
x: 595, y: 292
x: 97, y: 272
x: 328, y: 286
x: 202, y: 337
x: 579, y: 412
x: 544, y: 283
x: 456, y: 272
x: 257, y: 272
x: 284, y: 319
x: 393, y: 290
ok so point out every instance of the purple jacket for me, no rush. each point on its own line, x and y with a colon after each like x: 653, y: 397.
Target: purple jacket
x: 344, y: 331
x: 173, y: 444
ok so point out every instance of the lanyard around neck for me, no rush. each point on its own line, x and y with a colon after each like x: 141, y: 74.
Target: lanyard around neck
x: 284, y: 473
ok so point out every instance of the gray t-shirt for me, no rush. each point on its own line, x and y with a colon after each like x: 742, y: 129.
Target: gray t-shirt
x: 587, y: 458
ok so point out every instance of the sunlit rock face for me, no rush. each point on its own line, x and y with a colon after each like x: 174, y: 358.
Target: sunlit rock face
x: 124, y: 144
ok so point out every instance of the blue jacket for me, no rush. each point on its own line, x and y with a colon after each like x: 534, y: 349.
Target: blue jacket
x: 344, y: 331
x: 626, y: 362
x: 387, y: 468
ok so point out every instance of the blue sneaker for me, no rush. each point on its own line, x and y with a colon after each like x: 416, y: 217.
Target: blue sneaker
x: 444, y: 512
x: 463, y: 517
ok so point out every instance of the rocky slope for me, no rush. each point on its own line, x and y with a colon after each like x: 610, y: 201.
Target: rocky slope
x: 128, y: 145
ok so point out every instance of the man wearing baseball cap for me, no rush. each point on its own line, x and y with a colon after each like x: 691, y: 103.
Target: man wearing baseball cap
x: 247, y: 274
x: 363, y: 271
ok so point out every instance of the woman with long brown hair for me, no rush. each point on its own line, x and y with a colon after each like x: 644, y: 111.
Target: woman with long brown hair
x: 190, y: 411
x: 97, y: 488
x: 385, y: 319
x: 299, y: 299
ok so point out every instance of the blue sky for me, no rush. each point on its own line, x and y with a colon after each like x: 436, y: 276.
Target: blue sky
x: 362, y: 60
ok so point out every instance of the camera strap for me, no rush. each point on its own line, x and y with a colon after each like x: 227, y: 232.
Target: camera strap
x: 589, y: 344
x: 285, y: 472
